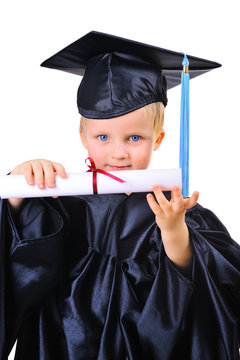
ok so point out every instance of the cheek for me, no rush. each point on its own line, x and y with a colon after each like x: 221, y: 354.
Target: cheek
x: 96, y: 153
x: 143, y: 155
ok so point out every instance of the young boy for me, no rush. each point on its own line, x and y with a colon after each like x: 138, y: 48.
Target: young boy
x: 118, y: 276
x: 126, y: 143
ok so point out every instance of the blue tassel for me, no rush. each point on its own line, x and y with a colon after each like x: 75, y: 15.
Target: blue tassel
x: 184, y: 129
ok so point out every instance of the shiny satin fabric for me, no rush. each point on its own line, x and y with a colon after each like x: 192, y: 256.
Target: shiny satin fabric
x: 115, y: 84
x: 121, y: 75
x: 87, y: 278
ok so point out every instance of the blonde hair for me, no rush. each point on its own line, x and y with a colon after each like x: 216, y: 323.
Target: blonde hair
x: 157, y: 110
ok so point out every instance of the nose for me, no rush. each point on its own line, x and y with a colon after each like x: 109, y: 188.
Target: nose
x: 119, y: 151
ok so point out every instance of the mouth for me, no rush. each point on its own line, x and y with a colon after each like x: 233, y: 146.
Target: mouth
x: 115, y: 167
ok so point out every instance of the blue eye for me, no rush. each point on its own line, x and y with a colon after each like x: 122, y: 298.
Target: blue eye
x: 134, y: 137
x: 103, y: 137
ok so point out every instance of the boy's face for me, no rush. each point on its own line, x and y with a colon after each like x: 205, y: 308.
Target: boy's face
x: 121, y: 143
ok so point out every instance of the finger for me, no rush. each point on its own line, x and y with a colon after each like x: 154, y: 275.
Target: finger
x: 154, y: 205
x: 26, y: 170
x: 162, y: 201
x: 60, y: 170
x: 28, y: 173
x: 178, y: 201
x: 38, y: 173
x: 192, y: 201
x: 176, y: 193
x: 48, y: 173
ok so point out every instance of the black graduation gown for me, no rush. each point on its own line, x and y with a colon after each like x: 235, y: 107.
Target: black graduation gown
x: 87, y: 278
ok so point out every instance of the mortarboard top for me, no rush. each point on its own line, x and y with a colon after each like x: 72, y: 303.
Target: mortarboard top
x: 121, y: 75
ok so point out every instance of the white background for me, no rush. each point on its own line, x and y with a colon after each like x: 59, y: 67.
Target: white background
x: 38, y: 112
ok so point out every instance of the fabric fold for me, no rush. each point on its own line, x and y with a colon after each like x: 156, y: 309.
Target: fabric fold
x: 83, y: 285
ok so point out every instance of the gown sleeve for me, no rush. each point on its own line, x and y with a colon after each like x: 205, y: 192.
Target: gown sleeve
x: 214, y: 310
x: 30, y: 251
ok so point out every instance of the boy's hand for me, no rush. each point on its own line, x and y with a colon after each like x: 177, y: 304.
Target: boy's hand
x: 39, y: 171
x: 170, y: 217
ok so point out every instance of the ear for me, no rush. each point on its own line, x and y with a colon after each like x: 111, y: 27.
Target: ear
x: 158, y: 140
x: 82, y: 137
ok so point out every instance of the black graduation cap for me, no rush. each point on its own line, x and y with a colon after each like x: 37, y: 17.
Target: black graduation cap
x: 121, y: 75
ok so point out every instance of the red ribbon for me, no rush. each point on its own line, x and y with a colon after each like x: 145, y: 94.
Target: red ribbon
x: 92, y: 168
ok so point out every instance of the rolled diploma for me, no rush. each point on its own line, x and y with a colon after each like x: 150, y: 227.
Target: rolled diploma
x: 15, y: 186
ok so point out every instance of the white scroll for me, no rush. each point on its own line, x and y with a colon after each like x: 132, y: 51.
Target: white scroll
x: 15, y: 186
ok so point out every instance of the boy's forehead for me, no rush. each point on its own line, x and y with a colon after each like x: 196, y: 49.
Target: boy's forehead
x: 140, y: 118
